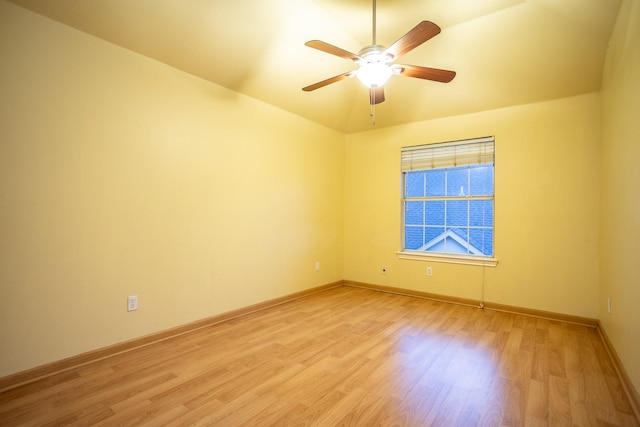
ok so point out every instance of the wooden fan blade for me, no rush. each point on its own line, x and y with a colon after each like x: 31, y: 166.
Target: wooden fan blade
x: 435, y: 74
x: 414, y: 38
x: 328, y: 81
x: 376, y: 95
x: 333, y: 50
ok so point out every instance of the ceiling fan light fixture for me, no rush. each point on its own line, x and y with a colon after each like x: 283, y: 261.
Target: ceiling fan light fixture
x: 374, y: 74
x: 375, y: 61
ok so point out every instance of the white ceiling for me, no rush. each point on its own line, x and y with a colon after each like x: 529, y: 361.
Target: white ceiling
x: 505, y: 52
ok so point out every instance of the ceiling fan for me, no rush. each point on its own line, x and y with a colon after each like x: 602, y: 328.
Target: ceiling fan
x: 375, y: 61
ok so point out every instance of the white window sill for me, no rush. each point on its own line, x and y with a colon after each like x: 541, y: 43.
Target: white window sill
x: 448, y: 258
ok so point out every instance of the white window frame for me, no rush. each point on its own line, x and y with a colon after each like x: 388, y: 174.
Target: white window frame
x: 438, y: 156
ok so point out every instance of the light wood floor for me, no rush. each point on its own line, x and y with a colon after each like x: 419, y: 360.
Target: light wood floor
x: 346, y: 356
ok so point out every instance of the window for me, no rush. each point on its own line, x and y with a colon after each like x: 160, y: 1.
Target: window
x: 447, y: 201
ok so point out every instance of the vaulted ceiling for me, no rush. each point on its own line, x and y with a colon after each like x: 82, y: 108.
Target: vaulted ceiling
x: 505, y: 52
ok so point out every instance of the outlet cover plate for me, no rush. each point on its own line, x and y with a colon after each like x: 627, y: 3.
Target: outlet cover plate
x: 132, y: 303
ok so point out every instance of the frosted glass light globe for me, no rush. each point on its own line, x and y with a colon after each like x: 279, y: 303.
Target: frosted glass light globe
x: 374, y: 74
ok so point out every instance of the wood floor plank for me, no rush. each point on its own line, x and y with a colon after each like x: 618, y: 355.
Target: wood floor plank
x: 346, y: 356
x: 559, y: 403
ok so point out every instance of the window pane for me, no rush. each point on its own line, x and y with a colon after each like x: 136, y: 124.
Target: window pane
x: 452, y: 246
x: 414, y: 213
x: 481, y: 240
x: 488, y: 213
x: 481, y: 178
x: 414, y: 184
x: 460, y: 232
x: 480, y: 213
x: 431, y: 234
x: 457, y: 213
x: 413, y: 237
x: 435, y: 182
x: 488, y: 241
x: 475, y: 239
x: 435, y: 213
x: 457, y: 181
x: 456, y: 242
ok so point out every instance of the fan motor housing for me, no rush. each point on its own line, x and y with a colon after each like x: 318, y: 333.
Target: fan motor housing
x: 375, y: 53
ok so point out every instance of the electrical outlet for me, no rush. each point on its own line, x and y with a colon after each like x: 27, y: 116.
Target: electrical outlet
x: 384, y: 270
x: 317, y: 265
x: 429, y: 271
x: 132, y: 303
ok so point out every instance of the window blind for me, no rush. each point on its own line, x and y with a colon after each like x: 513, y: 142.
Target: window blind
x: 478, y: 151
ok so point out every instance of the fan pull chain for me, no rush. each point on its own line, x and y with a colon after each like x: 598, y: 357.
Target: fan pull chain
x: 372, y: 108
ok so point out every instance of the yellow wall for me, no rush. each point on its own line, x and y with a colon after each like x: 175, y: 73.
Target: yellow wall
x: 122, y: 176
x: 620, y: 224
x: 546, y: 207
